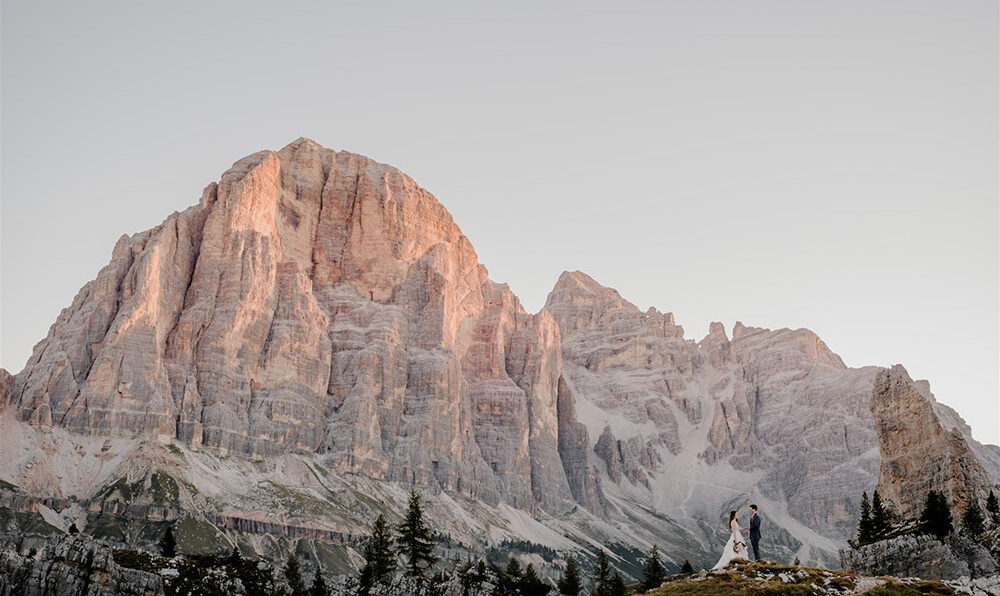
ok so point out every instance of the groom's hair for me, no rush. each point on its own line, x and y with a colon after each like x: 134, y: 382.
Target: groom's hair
x: 754, y: 507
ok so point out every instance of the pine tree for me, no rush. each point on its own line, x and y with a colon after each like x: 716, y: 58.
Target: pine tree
x: 686, y: 567
x: 936, y: 517
x: 569, y: 582
x: 880, y: 518
x: 973, y: 520
x: 293, y: 575
x: 653, y: 572
x: 414, y: 539
x: 510, y: 578
x: 865, y: 523
x: 602, y: 576
x: 318, y: 587
x: 168, y: 545
x: 796, y: 562
x: 73, y: 530
x: 617, y: 587
x: 234, y: 557
x: 471, y: 576
x: 380, y: 562
x: 993, y: 507
x: 530, y: 584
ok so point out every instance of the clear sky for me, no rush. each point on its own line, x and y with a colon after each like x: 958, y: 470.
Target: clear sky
x: 829, y: 165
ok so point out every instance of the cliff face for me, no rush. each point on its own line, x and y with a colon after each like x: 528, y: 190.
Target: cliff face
x: 765, y: 415
x: 73, y: 566
x: 321, y: 302
x: 317, y: 330
x: 919, y: 454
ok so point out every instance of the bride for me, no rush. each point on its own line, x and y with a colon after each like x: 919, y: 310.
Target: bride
x: 736, y: 547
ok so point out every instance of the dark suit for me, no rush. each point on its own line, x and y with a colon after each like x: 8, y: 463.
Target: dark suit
x: 755, y: 534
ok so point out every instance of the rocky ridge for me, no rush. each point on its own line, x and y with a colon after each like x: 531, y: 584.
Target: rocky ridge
x: 316, y: 335
x: 919, y: 453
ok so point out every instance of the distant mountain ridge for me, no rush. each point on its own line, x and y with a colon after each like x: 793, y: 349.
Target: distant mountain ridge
x: 316, y: 335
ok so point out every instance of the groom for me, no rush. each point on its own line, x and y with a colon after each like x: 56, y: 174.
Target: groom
x: 754, y: 528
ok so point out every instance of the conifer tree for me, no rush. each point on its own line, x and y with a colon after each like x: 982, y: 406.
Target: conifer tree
x: 510, y: 578
x: 653, y: 573
x: 318, y: 587
x: 617, y: 587
x: 471, y: 576
x: 168, y: 545
x: 993, y: 507
x: 414, y: 539
x: 880, y: 518
x: 380, y: 562
x: 936, y: 517
x: 73, y: 530
x: 293, y: 575
x: 569, y: 582
x: 973, y: 520
x: 865, y: 523
x: 530, y: 584
x: 602, y: 576
x: 686, y: 567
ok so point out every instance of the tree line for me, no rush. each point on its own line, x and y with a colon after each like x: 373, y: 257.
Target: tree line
x: 875, y: 522
x: 401, y: 560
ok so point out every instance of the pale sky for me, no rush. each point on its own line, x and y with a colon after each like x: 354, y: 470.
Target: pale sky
x: 829, y: 165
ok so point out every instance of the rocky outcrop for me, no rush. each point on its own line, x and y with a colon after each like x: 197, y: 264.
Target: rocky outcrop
x: 73, y: 566
x: 314, y: 301
x: 6, y: 389
x: 320, y: 316
x: 668, y: 411
x: 918, y: 453
x: 921, y: 556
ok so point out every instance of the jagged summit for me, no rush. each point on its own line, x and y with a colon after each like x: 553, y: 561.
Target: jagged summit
x: 321, y: 313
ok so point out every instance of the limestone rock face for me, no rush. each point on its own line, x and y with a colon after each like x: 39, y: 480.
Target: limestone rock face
x: 315, y: 301
x: 920, y: 454
x: 670, y: 412
x: 921, y: 556
x: 320, y: 315
x: 73, y: 566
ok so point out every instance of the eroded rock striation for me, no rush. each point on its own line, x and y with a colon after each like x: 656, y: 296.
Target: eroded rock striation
x: 317, y: 330
x: 318, y: 301
x: 919, y: 453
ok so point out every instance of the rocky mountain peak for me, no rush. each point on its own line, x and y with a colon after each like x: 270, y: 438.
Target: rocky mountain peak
x: 919, y: 454
x: 320, y: 316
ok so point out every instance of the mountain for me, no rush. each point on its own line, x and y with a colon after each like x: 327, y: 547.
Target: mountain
x: 278, y: 364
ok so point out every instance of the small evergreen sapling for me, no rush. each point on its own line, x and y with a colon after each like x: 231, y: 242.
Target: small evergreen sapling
x: 653, y: 573
x: 569, y: 582
x: 380, y: 562
x: 936, y: 517
x: 993, y: 507
x: 414, y: 539
x: 881, y: 523
x: 293, y: 575
x: 865, y: 522
x: 973, y: 520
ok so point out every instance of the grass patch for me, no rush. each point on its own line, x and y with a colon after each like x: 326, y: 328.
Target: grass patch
x: 923, y: 588
x: 198, y: 537
x: 334, y: 558
x: 163, y: 489
x: 763, y: 580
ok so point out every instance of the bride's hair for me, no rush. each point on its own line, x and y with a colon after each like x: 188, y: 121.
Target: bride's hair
x: 732, y: 516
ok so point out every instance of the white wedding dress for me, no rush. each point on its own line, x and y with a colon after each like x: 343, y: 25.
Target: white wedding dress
x: 729, y: 553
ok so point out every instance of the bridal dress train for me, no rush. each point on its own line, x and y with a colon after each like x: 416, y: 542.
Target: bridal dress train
x: 729, y: 553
